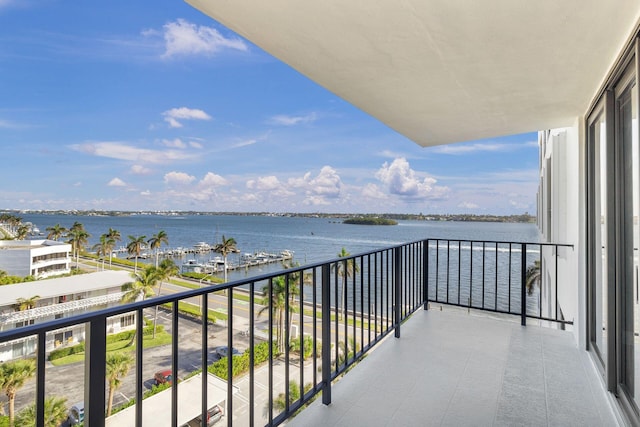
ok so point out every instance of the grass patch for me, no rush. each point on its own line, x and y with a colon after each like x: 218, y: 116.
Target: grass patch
x: 162, y: 338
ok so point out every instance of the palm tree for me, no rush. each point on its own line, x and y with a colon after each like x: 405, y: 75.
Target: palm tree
x: 55, y: 232
x: 13, y: 375
x: 55, y: 412
x: 78, y: 237
x: 532, y: 276
x: 277, y: 288
x: 104, y: 247
x: 346, y: 269
x: 156, y: 241
x: 135, y: 248
x: 225, y: 247
x: 23, y: 304
x: 166, y: 269
x: 114, y: 235
x: 118, y: 364
x: 22, y: 232
x: 141, y: 288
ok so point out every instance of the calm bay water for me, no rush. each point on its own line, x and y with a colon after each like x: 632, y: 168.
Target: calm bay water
x: 311, y: 239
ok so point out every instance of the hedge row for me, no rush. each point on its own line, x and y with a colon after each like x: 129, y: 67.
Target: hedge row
x: 121, y: 336
x: 241, y: 362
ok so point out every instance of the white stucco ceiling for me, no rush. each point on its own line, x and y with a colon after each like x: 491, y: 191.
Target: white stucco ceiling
x: 442, y: 71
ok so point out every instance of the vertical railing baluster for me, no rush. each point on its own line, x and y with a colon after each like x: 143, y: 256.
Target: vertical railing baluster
x: 139, y: 364
x: 271, y: 355
x: 437, y: 268
x: 459, y: 267
x: 326, y: 335
x: 204, y: 354
x: 174, y: 363
x: 471, y: 273
x: 287, y: 337
x: 301, y: 331
x: 252, y: 353
x: 448, y: 258
x: 557, y: 317
x: 509, y: 291
x: 337, y: 313
x: 41, y: 375
x: 95, y: 369
x: 314, y: 297
x: 425, y: 275
x: 495, y: 295
x: 523, y: 288
x: 397, y: 260
x: 484, y: 258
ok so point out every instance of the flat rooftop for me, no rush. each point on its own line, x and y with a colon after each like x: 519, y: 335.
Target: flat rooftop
x: 450, y: 368
x: 47, y: 288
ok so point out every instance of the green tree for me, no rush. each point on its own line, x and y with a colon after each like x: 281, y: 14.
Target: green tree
x: 55, y: 412
x: 277, y: 289
x: 104, y: 247
x: 345, y: 269
x: 56, y: 232
x: 532, y: 276
x: 118, y: 364
x: 114, y: 235
x: 165, y: 271
x: 13, y: 375
x: 134, y: 247
x: 23, y: 304
x: 156, y: 241
x: 142, y: 287
x: 225, y: 247
x: 78, y: 238
x: 22, y: 232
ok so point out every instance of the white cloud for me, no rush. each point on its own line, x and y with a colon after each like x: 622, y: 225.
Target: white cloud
x: 285, y: 120
x: 174, y: 143
x: 469, y: 148
x: 372, y: 191
x: 178, y: 178
x: 194, y: 144
x: 183, y: 38
x: 401, y: 180
x: 117, y: 182
x: 245, y: 143
x: 183, y: 113
x: 327, y: 183
x: 264, y: 183
x: 140, y: 170
x: 468, y: 205
x: 123, y: 151
x: 213, y: 180
x: 145, y: 193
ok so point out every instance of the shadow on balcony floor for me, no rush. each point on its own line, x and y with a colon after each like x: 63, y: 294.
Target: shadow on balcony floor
x: 451, y: 368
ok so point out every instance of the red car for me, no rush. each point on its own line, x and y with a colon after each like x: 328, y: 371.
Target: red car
x: 162, y: 377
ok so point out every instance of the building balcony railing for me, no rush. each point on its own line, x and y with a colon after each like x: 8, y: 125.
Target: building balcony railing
x: 317, y: 321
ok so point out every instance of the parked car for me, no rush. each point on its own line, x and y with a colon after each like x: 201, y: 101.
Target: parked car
x: 76, y: 414
x: 164, y: 376
x: 213, y: 416
x: 223, y: 351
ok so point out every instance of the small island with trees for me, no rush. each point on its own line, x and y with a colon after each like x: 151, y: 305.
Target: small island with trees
x: 370, y: 220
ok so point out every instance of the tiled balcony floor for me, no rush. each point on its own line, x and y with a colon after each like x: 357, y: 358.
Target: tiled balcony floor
x: 451, y: 368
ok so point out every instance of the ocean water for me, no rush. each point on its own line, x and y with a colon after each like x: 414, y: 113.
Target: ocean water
x: 311, y: 239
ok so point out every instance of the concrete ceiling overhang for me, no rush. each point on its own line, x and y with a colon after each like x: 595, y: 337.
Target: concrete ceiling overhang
x: 442, y: 71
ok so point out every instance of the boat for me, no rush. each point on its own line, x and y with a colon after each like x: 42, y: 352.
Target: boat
x: 192, y: 266
x: 202, y: 247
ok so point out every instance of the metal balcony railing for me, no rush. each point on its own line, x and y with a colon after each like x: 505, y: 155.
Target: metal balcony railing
x: 318, y: 321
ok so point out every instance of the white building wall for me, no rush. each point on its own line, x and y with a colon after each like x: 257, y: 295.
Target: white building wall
x: 562, y: 199
x: 16, y: 257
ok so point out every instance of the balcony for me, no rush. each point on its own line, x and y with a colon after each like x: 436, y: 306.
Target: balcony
x: 452, y: 368
x: 362, y: 317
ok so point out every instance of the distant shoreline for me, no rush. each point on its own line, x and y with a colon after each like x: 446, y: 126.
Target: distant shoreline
x: 523, y: 218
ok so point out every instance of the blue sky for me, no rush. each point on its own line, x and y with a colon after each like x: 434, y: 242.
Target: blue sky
x: 121, y: 106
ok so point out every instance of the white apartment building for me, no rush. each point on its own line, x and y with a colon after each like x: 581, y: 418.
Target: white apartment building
x: 38, y: 258
x: 57, y: 298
